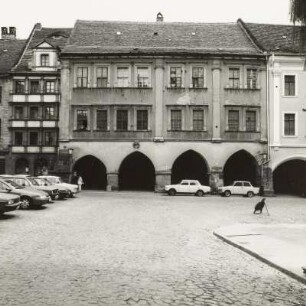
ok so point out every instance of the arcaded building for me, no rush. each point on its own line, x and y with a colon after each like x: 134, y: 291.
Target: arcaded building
x: 146, y: 104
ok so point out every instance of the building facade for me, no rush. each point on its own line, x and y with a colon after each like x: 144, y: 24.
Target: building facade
x: 146, y: 104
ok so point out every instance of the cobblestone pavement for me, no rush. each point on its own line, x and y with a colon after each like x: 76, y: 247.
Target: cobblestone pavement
x: 140, y: 249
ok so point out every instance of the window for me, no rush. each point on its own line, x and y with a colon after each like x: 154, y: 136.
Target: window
x: 122, y: 76
x: 34, y: 87
x: 142, y: 77
x: 18, y: 138
x: 20, y: 87
x: 33, y: 112
x: 102, y: 76
x: 142, y: 120
x: 175, y: 77
x: 289, y: 124
x: 239, y: 184
x: 49, y: 138
x: 82, y: 120
x: 82, y: 77
x: 234, y: 77
x: 33, y: 138
x: 122, y: 120
x: 233, y: 120
x: 198, y: 120
x: 18, y: 112
x: 101, y: 120
x: 289, y: 85
x: 197, y: 77
x: 176, y: 120
x: 50, y: 113
x: 49, y: 86
x: 44, y: 60
x: 250, y: 121
x: 252, y: 78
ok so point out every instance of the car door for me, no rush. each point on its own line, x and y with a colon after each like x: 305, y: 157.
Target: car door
x: 184, y: 187
x: 246, y: 187
x: 193, y: 187
x: 237, y: 188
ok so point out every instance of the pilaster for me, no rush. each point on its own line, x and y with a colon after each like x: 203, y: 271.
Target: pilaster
x: 162, y: 178
x: 216, y: 99
x: 112, y: 181
x: 159, y: 105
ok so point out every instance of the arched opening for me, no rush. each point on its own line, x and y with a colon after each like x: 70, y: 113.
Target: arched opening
x: 92, y: 171
x: 21, y: 166
x: 41, y: 166
x: 290, y: 178
x: 241, y: 166
x: 137, y: 173
x: 190, y: 165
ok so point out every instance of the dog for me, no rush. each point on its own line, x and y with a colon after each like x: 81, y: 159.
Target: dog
x: 260, y: 205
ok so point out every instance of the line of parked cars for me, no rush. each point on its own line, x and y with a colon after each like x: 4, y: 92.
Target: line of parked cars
x: 244, y: 188
x: 24, y: 191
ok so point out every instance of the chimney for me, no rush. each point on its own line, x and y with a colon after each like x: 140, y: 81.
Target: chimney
x: 8, y: 33
x: 160, y: 17
x: 38, y: 26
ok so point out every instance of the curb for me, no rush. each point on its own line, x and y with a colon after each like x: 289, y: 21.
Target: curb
x: 264, y: 260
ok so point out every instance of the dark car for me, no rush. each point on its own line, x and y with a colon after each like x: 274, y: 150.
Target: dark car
x: 8, y: 202
x: 29, y: 197
x: 63, y: 193
x: 29, y: 182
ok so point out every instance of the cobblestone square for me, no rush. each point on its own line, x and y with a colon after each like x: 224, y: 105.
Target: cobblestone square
x: 140, y: 248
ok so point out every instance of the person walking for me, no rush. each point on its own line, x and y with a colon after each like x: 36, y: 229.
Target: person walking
x: 74, y: 178
x: 80, y: 182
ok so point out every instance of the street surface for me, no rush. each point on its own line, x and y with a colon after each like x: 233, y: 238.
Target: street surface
x: 141, y: 249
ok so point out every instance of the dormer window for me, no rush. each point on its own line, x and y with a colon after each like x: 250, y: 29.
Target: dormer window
x: 44, y: 60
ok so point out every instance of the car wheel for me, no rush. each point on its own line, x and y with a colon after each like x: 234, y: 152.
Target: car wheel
x: 227, y: 193
x: 25, y: 203
x: 200, y: 193
x: 172, y: 192
x: 250, y: 194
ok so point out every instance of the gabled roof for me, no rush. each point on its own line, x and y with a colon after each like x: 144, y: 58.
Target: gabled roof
x: 10, y: 50
x: 55, y: 37
x: 280, y: 39
x: 116, y: 37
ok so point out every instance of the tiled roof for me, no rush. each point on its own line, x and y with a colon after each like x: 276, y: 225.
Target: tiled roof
x: 276, y: 38
x: 10, y: 50
x: 111, y: 37
x: 56, y: 37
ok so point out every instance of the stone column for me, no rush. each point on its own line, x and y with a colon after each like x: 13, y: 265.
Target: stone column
x: 162, y: 178
x: 267, y: 181
x: 216, y: 99
x: 64, y: 109
x: 159, y: 92
x: 276, y: 85
x: 112, y: 181
x: 216, y: 179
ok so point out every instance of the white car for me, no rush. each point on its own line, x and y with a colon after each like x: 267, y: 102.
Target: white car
x: 239, y: 187
x: 57, y: 181
x: 188, y: 186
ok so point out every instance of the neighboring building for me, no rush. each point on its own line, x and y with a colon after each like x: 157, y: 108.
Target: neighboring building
x: 35, y: 102
x: 287, y: 103
x: 10, y: 50
x: 146, y: 104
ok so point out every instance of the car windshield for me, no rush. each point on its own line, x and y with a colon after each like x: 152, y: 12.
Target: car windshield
x: 42, y: 182
x: 49, y: 181
x: 13, y: 184
x: 33, y: 181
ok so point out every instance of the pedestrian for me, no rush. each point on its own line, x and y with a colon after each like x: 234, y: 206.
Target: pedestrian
x: 80, y: 183
x: 74, y: 178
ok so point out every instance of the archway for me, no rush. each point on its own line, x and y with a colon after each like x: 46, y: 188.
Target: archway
x: 41, y: 166
x: 93, y: 172
x: 290, y: 178
x: 241, y: 166
x: 137, y: 173
x: 190, y: 165
x: 21, y: 166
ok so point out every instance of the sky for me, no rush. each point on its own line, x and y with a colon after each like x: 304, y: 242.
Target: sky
x: 63, y: 13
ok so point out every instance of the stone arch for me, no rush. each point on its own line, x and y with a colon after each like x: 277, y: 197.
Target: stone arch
x: 136, y: 172
x: 93, y: 172
x: 241, y: 165
x: 190, y: 165
x: 289, y: 177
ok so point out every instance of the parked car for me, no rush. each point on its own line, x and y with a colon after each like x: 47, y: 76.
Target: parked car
x: 188, y: 187
x: 29, y: 197
x: 57, y: 181
x: 8, y: 202
x: 28, y: 181
x: 62, y: 192
x: 239, y: 187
